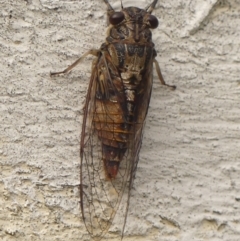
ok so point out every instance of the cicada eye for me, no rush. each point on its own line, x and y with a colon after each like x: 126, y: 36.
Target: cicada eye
x: 116, y: 18
x: 153, y: 21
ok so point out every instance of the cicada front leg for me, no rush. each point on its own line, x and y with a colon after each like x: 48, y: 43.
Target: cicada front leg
x: 94, y: 52
x: 173, y: 87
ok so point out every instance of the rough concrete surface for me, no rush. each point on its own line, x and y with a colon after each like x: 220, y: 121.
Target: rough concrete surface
x: 187, y: 186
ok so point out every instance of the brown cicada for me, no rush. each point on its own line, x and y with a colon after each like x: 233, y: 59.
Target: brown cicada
x: 114, y: 115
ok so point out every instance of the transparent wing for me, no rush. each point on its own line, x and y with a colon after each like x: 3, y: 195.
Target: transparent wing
x: 102, y: 122
x: 138, y: 128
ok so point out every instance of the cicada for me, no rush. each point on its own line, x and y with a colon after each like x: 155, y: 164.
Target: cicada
x: 114, y: 114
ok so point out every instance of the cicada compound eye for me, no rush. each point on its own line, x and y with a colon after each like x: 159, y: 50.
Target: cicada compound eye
x: 153, y: 21
x: 116, y: 18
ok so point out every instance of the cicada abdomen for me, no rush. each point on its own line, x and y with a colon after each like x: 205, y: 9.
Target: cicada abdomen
x: 114, y: 115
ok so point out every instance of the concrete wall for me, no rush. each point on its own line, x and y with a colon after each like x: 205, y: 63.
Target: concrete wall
x: 188, y: 181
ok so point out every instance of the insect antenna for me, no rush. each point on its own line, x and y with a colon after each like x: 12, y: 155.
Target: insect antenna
x: 109, y: 6
x: 121, y: 4
x: 110, y: 9
x: 151, y: 6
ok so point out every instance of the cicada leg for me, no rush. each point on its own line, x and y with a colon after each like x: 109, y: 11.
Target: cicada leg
x: 161, y: 77
x: 94, y: 52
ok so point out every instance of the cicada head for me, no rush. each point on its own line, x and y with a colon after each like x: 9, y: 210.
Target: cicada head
x: 131, y: 24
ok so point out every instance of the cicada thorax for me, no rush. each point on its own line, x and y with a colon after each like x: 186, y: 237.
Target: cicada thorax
x: 123, y: 72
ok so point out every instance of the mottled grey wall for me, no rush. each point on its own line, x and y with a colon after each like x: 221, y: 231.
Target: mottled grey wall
x: 188, y: 181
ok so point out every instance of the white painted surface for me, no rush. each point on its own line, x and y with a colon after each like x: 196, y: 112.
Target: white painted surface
x: 188, y: 180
